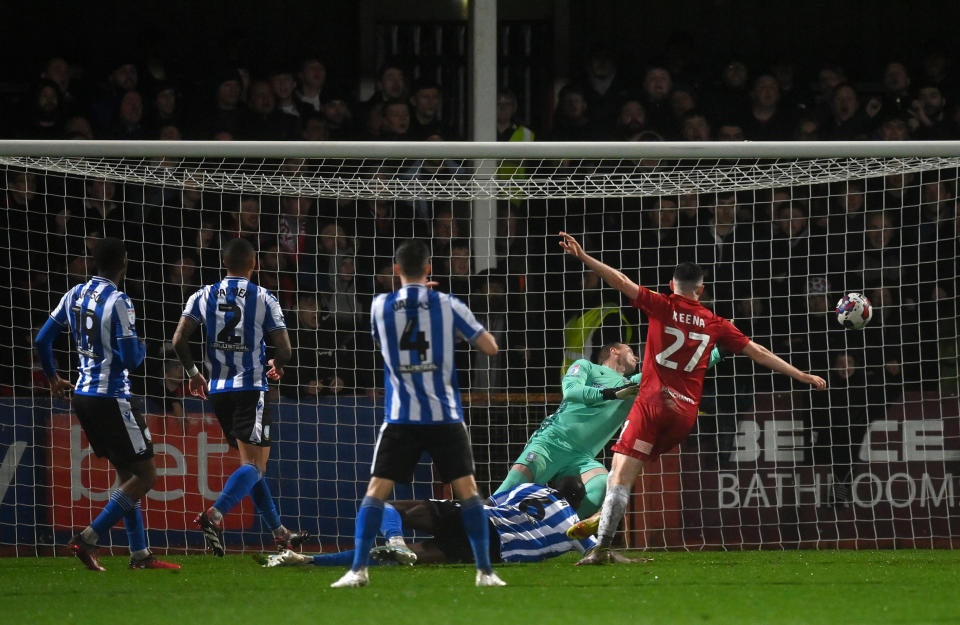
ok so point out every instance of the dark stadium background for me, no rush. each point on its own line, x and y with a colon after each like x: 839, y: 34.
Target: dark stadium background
x: 192, y: 37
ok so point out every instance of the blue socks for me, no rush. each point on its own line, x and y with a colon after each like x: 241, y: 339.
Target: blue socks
x: 368, y: 523
x: 238, y: 485
x: 391, y: 525
x: 136, y: 535
x: 263, y: 501
x: 118, y: 506
x: 475, y: 521
x: 343, y: 558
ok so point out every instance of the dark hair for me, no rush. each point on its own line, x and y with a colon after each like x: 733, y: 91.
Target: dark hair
x: 571, y: 488
x: 688, y: 273
x: 412, y: 256
x: 605, y: 351
x: 110, y: 255
x: 426, y: 84
x: 392, y: 63
x: 237, y: 254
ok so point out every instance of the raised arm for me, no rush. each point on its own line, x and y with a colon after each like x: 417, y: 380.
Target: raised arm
x: 611, y: 276
x: 763, y: 356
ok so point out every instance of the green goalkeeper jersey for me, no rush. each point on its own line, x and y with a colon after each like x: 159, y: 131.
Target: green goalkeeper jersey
x: 585, y: 421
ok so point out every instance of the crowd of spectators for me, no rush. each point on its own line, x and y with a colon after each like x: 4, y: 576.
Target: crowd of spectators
x: 776, y: 260
x: 673, y: 99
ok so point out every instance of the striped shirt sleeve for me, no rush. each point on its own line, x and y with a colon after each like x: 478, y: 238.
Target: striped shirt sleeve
x: 125, y: 317
x: 60, y: 313
x: 192, y: 308
x: 273, y: 320
x: 375, y: 311
x: 464, y: 321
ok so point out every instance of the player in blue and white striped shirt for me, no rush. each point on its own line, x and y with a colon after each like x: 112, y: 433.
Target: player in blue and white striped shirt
x: 417, y: 329
x: 239, y: 318
x: 529, y: 520
x: 532, y: 522
x: 101, y: 320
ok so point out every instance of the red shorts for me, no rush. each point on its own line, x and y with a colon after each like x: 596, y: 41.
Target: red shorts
x: 652, y: 429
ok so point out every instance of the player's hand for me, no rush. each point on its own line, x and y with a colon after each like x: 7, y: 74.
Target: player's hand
x: 621, y: 392
x: 60, y: 388
x: 818, y: 382
x: 275, y: 372
x: 570, y: 246
x: 198, y: 386
x: 432, y: 284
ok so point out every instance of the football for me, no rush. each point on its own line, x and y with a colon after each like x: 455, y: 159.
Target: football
x: 854, y: 311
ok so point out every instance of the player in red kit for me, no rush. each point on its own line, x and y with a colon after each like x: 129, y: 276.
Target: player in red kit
x: 681, y: 335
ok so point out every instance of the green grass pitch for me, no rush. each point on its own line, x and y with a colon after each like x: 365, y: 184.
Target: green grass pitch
x: 782, y: 587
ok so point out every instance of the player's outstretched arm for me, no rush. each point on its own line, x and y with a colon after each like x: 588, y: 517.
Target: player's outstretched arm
x: 763, y: 356
x: 487, y: 343
x: 611, y: 276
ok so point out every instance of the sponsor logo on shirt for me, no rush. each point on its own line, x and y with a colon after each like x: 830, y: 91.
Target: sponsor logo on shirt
x: 642, y: 446
x: 672, y: 393
x: 229, y: 347
x: 426, y: 366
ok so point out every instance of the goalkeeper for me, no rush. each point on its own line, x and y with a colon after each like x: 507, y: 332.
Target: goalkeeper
x: 593, y: 408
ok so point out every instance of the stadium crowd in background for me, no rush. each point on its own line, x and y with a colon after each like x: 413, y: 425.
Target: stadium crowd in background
x: 668, y: 99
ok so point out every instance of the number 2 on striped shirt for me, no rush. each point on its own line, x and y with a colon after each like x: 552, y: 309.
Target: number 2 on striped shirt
x: 231, y: 321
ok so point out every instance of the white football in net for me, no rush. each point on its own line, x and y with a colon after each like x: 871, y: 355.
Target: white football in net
x: 854, y: 311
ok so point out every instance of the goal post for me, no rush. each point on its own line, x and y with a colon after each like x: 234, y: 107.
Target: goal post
x: 782, y: 229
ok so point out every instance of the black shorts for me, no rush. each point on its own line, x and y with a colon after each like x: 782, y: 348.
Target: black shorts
x: 243, y: 416
x: 400, y: 445
x: 450, y: 536
x: 116, y: 430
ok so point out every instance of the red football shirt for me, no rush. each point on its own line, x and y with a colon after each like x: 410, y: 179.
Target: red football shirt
x: 681, y: 335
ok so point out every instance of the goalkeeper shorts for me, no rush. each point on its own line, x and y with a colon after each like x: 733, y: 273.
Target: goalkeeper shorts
x: 547, y: 461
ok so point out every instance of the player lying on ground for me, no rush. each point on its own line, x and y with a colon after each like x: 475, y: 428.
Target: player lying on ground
x: 682, y: 332
x: 530, y: 521
x: 593, y: 408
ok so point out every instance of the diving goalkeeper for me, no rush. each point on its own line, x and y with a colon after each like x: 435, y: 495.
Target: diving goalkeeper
x: 593, y: 408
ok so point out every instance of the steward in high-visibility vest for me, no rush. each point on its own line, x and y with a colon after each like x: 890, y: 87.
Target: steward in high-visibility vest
x: 579, y: 334
x: 510, y: 130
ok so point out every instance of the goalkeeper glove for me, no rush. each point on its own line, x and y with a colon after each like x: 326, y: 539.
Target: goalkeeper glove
x: 620, y: 392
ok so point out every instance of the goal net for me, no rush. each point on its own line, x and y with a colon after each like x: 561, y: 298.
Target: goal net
x: 782, y: 230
